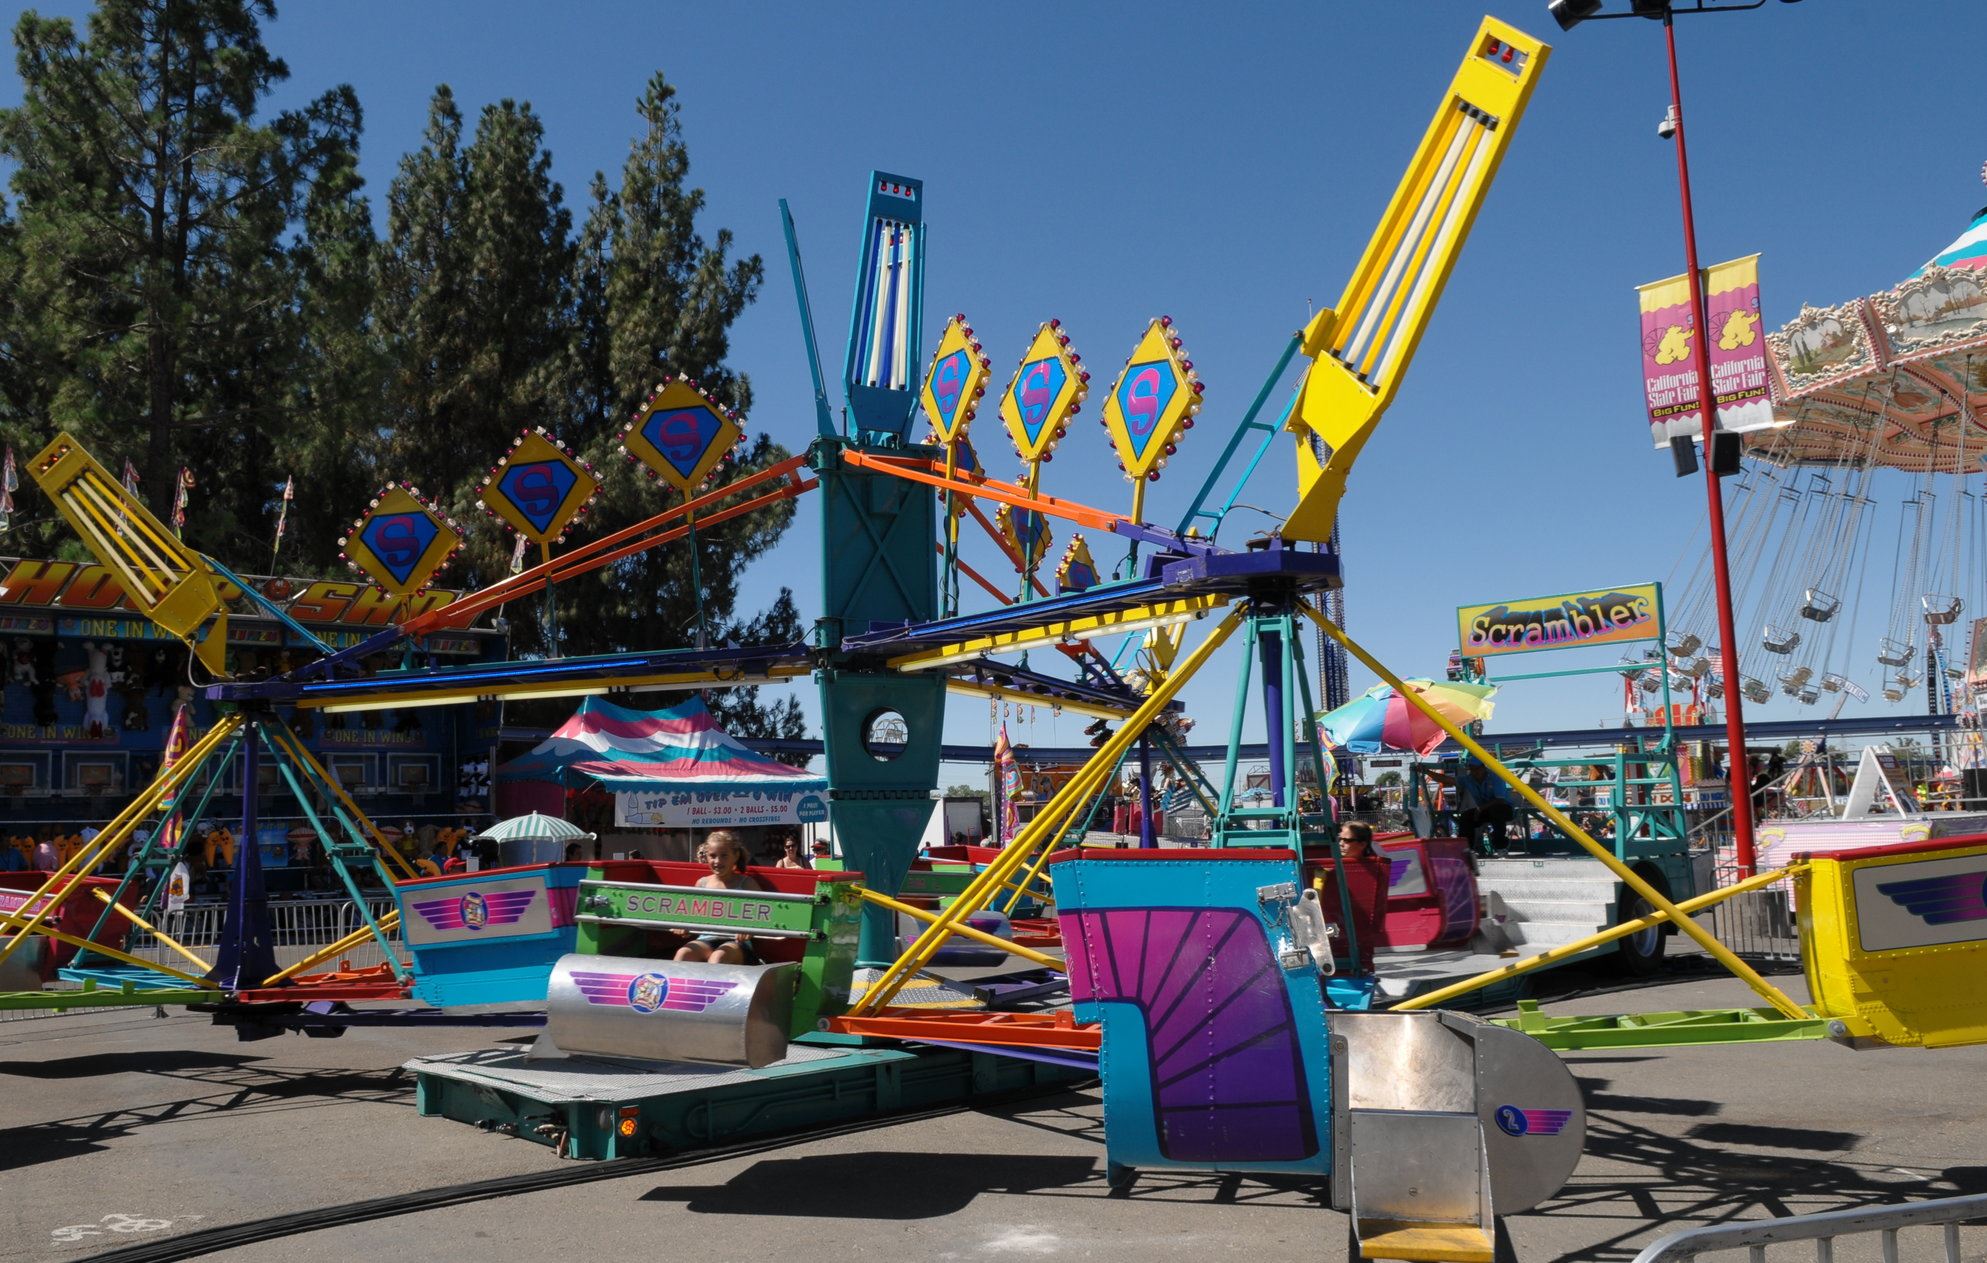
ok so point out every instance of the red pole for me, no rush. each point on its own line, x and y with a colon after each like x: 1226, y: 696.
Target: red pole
x: 1728, y: 641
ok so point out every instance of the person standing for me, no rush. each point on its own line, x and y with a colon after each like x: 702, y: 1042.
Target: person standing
x: 1366, y: 872
x: 790, y: 856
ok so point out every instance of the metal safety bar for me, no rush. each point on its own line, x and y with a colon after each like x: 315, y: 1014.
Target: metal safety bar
x: 1946, y: 1213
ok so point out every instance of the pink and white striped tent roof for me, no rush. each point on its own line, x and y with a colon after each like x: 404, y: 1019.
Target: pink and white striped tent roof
x: 623, y: 749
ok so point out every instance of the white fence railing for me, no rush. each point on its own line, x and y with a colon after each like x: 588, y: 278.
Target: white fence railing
x: 298, y: 927
x: 1886, y: 1223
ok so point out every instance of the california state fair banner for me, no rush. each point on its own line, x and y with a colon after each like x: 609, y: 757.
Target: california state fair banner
x: 1738, y: 353
x: 718, y: 808
x: 1603, y: 616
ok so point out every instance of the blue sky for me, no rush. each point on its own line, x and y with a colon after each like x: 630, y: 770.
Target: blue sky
x: 1225, y: 165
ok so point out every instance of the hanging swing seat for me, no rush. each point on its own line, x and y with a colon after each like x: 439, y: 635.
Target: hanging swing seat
x: 1778, y: 639
x: 1808, y: 695
x: 1941, y: 608
x: 1755, y: 690
x: 1892, y: 653
x: 1820, y: 606
x: 1684, y: 644
x: 1697, y: 668
x: 1649, y: 682
x: 1832, y: 682
x: 1797, y: 677
x: 1892, y: 693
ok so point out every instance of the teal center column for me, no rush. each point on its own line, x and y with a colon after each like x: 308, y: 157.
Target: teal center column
x: 881, y: 729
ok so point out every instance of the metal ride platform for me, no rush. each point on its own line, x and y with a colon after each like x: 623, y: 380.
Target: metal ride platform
x: 598, y: 1108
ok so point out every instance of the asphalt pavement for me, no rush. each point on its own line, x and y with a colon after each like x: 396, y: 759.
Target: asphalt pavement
x: 120, y: 1129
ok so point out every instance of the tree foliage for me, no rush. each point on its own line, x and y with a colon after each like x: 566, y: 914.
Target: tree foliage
x: 186, y: 282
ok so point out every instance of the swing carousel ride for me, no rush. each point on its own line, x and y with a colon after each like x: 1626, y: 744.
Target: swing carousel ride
x: 1878, y: 398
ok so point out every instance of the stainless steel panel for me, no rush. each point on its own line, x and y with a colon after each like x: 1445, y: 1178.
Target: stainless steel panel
x: 1417, y: 1166
x: 668, y: 1011
x: 1406, y: 1061
x: 1534, y: 1122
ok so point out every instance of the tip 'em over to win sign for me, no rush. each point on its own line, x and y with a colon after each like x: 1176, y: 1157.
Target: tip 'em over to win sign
x: 1602, y: 616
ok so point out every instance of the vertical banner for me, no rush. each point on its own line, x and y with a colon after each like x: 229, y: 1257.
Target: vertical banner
x: 1738, y: 352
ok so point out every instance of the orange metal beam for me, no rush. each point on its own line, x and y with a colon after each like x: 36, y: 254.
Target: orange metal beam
x: 980, y: 579
x: 611, y: 548
x: 931, y: 473
x: 1009, y: 1030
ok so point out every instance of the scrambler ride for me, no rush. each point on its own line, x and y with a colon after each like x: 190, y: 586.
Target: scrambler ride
x: 1230, y: 1027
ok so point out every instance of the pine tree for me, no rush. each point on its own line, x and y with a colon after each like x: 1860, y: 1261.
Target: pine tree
x: 151, y: 283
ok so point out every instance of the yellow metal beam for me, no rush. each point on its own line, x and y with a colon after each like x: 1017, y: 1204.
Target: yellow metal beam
x: 390, y: 698
x: 322, y: 954
x: 169, y: 582
x: 154, y: 930
x: 1566, y: 951
x: 1704, y: 938
x: 977, y: 935
x: 1137, y: 618
x: 1048, y: 825
x: 292, y: 746
x: 66, y: 880
x: 1361, y: 349
x: 10, y: 922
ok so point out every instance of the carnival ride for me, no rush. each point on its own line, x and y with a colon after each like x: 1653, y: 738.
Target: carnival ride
x: 1870, y: 394
x: 1249, y: 1052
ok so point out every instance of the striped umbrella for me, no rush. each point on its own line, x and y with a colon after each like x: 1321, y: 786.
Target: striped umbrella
x: 535, y: 828
x: 1381, y: 720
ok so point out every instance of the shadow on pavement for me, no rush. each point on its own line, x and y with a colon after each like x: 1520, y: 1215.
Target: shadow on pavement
x: 1713, y: 1173
x: 878, y: 1184
x: 149, y: 1061
x: 243, y: 1090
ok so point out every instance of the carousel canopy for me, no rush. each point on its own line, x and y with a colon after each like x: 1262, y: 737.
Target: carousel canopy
x: 1897, y: 379
x: 623, y: 749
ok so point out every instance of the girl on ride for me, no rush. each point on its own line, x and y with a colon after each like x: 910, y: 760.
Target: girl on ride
x: 727, y: 858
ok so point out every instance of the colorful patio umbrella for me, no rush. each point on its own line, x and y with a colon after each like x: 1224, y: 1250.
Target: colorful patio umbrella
x: 1381, y: 720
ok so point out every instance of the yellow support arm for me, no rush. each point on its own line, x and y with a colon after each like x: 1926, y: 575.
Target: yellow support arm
x: 1566, y: 951
x: 1561, y: 821
x: 66, y: 880
x: 1048, y: 825
x: 168, y: 581
x: 391, y: 698
x: 1137, y: 618
x: 1361, y: 348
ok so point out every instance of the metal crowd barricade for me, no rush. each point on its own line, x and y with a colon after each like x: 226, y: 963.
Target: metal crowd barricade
x: 1758, y: 925
x: 297, y: 927
x: 1886, y: 1223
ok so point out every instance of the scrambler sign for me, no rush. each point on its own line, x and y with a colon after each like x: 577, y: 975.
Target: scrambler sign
x: 1603, y: 616
x: 697, y: 907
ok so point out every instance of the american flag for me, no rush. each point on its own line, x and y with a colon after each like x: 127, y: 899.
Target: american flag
x: 181, y: 494
x: 10, y: 482
x: 282, y: 517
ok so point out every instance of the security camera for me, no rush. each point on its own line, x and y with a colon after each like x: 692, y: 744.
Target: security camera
x: 1667, y: 129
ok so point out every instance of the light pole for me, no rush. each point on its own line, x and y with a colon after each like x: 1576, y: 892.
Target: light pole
x: 1569, y: 14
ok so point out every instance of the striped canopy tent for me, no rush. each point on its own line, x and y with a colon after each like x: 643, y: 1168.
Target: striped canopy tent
x: 619, y: 748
